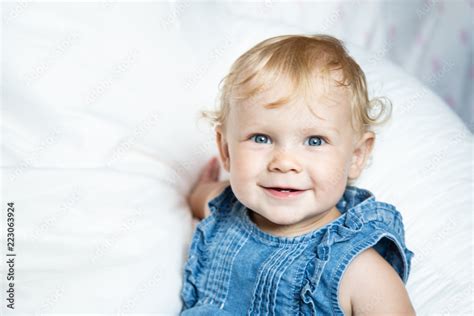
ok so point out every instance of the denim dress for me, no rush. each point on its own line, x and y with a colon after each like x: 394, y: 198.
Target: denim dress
x: 235, y: 268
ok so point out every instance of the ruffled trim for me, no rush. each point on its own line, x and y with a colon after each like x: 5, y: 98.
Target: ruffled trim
x: 197, y: 262
x: 335, y: 233
x: 199, y: 252
x: 356, y: 218
x: 223, y: 203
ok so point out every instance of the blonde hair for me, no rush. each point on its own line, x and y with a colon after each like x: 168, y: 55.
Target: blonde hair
x: 298, y: 57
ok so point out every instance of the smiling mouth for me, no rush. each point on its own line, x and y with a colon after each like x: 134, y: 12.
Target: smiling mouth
x: 283, y: 193
x: 281, y: 189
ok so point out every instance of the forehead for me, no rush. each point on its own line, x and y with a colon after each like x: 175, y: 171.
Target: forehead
x: 321, y: 104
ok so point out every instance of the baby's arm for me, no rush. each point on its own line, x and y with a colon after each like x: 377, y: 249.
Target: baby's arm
x: 205, y: 189
x: 373, y: 287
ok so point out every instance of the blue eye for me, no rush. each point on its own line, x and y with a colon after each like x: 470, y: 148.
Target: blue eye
x: 259, y: 137
x: 316, y: 140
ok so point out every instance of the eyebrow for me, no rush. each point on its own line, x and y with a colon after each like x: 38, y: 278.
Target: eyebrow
x: 318, y: 129
x: 304, y: 129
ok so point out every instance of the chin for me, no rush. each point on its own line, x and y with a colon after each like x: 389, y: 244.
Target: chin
x: 282, y: 220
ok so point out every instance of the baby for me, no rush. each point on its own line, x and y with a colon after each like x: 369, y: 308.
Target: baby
x: 289, y: 233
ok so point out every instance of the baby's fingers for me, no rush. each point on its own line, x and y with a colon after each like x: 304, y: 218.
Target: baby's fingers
x: 215, y: 169
x: 209, y: 171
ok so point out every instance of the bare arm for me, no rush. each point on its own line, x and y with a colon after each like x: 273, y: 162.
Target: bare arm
x: 205, y: 189
x: 374, y: 287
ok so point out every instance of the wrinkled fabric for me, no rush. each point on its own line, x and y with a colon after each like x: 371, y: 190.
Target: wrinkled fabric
x: 234, y: 268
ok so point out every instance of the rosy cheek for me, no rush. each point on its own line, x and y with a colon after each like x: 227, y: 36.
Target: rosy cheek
x: 240, y: 162
x: 338, y: 174
x: 329, y: 172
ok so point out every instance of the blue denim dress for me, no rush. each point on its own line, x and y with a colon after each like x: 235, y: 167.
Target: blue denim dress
x: 234, y: 268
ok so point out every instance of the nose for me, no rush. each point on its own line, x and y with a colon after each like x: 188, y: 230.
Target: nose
x: 284, y: 162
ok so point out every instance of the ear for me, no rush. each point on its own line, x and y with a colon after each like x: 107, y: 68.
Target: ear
x: 361, y: 154
x: 223, y: 147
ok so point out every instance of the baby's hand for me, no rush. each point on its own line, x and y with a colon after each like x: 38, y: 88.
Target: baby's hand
x: 205, y: 189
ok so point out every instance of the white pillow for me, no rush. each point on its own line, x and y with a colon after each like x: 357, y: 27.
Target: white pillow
x: 101, y: 144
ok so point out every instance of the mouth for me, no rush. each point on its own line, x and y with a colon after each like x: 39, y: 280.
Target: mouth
x: 282, y: 192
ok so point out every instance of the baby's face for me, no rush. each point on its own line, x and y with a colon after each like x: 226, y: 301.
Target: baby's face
x: 289, y: 147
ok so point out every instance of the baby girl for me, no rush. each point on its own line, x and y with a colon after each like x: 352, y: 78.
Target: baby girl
x: 289, y: 233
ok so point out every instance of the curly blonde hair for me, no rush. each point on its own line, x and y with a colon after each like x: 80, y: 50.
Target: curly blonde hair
x: 298, y: 57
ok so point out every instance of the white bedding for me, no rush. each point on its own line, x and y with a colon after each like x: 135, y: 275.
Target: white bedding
x: 101, y: 143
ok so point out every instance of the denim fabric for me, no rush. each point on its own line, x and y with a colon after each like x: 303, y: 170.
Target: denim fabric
x: 234, y: 268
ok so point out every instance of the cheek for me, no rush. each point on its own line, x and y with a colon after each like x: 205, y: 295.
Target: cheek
x: 332, y: 171
x: 245, y: 163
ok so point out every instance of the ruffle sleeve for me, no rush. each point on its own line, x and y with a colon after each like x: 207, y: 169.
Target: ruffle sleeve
x: 333, y: 234
x: 378, y: 225
x: 197, y: 259
x: 200, y: 249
